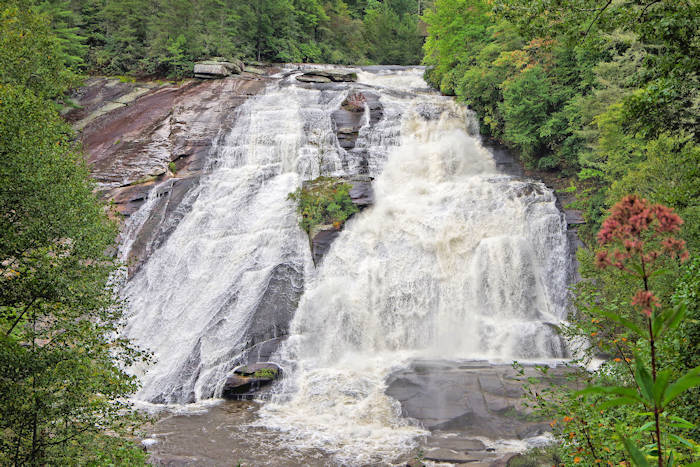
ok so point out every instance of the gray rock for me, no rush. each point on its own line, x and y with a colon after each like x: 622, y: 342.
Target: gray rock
x: 472, y: 399
x: 247, y: 380
x: 254, y: 70
x: 449, y: 456
x: 456, y: 444
x: 321, y: 238
x: 240, y: 387
x: 574, y: 217
x: 275, y: 309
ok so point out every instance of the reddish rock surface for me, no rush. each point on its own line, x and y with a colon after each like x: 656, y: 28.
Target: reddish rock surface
x: 132, y: 132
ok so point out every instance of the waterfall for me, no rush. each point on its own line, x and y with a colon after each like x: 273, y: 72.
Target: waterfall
x: 454, y: 260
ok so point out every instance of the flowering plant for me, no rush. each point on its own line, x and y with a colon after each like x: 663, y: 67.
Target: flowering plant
x: 633, y: 239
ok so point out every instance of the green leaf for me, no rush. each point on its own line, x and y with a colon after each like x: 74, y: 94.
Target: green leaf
x: 647, y: 426
x: 632, y: 326
x: 660, y: 385
x: 618, y: 402
x: 690, y: 380
x: 644, y: 381
x: 681, y: 423
x: 675, y: 319
x: 681, y: 440
x: 616, y: 390
x: 637, y: 456
x: 658, y: 321
x: 658, y: 273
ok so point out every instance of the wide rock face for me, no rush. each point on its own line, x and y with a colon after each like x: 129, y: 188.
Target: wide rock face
x: 145, y: 136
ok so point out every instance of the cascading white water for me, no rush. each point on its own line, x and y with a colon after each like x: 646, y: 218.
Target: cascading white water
x: 454, y: 260
x: 193, y: 301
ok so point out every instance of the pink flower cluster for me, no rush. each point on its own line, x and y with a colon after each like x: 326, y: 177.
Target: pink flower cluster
x: 634, y: 228
x: 637, y: 232
x: 644, y: 300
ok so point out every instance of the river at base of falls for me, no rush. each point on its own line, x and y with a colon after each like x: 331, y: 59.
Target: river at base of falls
x: 454, y: 261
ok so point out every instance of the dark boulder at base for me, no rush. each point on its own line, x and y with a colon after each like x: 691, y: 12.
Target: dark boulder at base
x: 249, y: 379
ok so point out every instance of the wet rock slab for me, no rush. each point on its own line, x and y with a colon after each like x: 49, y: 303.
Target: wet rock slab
x: 327, y: 76
x: 474, y: 399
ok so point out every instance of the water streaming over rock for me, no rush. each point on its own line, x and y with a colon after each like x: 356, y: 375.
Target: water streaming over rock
x: 454, y: 260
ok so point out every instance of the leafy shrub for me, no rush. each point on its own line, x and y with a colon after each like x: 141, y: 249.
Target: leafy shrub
x: 324, y: 201
x: 267, y: 373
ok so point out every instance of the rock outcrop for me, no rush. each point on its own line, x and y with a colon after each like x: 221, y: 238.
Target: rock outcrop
x: 348, y: 119
x: 322, y: 236
x: 463, y: 402
x: 474, y: 398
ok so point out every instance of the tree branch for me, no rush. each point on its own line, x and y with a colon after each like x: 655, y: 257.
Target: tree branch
x: 595, y: 20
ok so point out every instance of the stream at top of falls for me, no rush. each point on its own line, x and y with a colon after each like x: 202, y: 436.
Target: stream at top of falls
x: 455, y: 260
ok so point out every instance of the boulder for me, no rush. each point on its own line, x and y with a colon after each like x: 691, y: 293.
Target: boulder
x: 258, y: 369
x: 212, y: 69
x: 249, y: 379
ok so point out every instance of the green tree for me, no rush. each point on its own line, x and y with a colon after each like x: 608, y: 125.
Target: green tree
x: 61, y: 376
x: 392, y: 35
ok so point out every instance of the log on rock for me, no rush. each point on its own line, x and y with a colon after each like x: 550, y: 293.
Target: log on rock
x: 313, y: 79
x: 327, y: 76
x: 212, y: 69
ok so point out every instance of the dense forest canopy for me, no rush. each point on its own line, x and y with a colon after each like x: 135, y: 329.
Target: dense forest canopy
x: 164, y: 37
